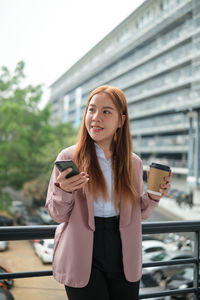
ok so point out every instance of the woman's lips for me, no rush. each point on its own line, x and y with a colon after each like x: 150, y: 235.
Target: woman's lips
x: 96, y: 128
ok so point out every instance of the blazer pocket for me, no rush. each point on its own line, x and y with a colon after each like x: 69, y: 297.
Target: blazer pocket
x: 58, y: 233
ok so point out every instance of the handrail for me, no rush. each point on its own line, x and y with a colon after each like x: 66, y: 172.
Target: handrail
x: 173, y: 262
x: 8, y: 233
x: 48, y: 231
x: 15, y: 233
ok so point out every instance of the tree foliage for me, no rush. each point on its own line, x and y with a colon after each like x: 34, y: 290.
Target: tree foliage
x: 62, y: 136
x: 28, y: 143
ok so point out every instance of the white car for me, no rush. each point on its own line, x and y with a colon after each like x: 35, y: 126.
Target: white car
x: 163, y: 272
x: 4, y: 245
x: 152, y: 248
x: 44, y: 215
x: 17, y: 207
x: 44, y: 249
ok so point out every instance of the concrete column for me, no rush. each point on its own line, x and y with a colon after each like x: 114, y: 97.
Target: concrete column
x: 197, y: 152
x: 196, y: 11
x: 196, y: 197
x: 66, y: 108
x: 191, y: 146
x: 196, y: 190
x: 196, y: 91
x: 78, y: 99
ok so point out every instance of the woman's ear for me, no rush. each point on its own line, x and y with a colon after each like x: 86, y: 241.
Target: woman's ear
x: 121, y: 122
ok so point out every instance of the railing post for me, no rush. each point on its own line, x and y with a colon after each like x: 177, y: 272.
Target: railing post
x: 196, y: 265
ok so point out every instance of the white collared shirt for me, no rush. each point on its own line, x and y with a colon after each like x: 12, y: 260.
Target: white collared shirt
x: 105, y: 208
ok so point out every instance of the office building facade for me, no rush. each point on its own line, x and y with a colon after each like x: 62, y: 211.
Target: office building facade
x: 154, y: 57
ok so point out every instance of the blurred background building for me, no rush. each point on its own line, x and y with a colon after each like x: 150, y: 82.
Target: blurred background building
x: 154, y: 57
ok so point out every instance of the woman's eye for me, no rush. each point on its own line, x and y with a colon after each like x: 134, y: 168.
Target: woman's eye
x: 91, y: 109
x: 106, y: 112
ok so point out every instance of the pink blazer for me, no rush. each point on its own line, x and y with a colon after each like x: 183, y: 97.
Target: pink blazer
x: 73, y: 246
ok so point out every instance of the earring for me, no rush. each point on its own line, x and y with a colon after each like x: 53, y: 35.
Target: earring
x: 116, y: 135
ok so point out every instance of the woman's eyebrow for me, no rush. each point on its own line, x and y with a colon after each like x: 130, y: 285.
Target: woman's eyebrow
x: 104, y: 107
x: 108, y: 107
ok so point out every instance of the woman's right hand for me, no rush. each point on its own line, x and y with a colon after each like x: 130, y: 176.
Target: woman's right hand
x: 73, y: 183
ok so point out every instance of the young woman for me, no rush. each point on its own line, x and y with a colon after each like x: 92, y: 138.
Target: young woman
x: 97, y: 250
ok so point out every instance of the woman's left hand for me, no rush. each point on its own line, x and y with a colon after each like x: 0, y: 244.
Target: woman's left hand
x: 163, y: 188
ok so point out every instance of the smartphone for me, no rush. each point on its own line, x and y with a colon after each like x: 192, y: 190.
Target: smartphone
x: 62, y: 165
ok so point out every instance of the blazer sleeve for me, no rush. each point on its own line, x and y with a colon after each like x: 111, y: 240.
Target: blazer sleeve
x: 58, y: 202
x: 147, y: 204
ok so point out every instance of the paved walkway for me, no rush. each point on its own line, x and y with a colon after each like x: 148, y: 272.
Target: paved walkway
x: 182, y: 213
x: 21, y: 258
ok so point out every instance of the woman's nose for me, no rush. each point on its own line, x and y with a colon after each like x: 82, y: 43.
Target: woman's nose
x: 97, y: 116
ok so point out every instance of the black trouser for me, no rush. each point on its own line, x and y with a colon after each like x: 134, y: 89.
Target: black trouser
x: 107, y: 280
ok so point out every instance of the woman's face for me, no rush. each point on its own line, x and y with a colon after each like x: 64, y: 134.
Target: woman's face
x: 102, y: 119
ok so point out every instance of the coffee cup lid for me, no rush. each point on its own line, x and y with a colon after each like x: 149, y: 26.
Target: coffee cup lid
x: 161, y: 167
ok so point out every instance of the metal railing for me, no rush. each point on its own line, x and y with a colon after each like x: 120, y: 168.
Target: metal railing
x: 47, y: 232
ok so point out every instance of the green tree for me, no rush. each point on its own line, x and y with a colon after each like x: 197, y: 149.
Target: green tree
x: 28, y: 143
x: 24, y: 129
x: 62, y: 136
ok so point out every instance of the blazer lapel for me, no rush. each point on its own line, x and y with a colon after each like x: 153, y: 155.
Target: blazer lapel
x: 90, y: 205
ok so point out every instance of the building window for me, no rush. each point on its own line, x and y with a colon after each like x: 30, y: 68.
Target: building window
x: 66, y: 108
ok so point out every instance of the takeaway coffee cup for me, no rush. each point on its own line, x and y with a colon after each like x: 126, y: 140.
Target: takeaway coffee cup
x: 156, y: 178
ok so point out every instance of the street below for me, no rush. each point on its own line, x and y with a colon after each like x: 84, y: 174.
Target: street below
x: 21, y: 258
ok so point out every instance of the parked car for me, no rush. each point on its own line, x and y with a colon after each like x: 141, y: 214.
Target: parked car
x: 17, y: 207
x: 21, y: 216
x: 30, y: 220
x: 149, y: 285
x: 6, y: 283
x: 181, y: 280
x: 147, y: 237
x: 5, y: 295
x: 152, y: 248
x: 44, y: 249
x: 182, y: 197
x: 172, y: 193
x: 44, y: 215
x: 4, y: 245
x: 5, y: 221
x: 163, y: 272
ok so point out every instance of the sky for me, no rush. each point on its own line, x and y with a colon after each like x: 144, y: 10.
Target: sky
x: 51, y: 35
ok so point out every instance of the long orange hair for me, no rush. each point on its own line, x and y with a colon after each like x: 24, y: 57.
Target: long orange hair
x: 122, y: 162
